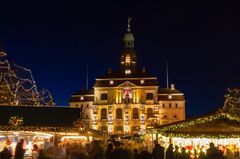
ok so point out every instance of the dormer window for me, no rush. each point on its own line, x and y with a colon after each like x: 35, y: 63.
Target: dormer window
x: 111, y: 82
x: 81, y: 98
x: 142, y: 81
x: 127, y: 71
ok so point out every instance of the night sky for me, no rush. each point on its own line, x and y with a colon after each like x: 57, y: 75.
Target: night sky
x: 56, y: 40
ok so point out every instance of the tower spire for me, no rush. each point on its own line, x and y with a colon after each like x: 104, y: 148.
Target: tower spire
x: 129, y: 24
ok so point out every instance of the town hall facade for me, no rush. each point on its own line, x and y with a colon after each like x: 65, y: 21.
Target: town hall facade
x: 129, y: 100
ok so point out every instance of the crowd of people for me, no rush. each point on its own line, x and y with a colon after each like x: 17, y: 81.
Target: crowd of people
x: 112, y: 150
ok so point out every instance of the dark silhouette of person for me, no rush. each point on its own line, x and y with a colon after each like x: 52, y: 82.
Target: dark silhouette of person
x: 108, y: 153
x: 169, y: 152
x: 118, y: 152
x: 97, y: 151
x: 158, y: 151
x: 5, y: 153
x: 177, y: 154
x: 145, y: 154
x: 19, y: 151
x: 212, y: 152
x: 135, y: 154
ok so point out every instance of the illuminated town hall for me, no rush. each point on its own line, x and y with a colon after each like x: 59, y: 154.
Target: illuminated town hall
x: 128, y: 100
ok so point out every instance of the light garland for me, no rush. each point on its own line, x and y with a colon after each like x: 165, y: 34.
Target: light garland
x: 18, y: 86
x: 15, y: 121
x: 167, y: 130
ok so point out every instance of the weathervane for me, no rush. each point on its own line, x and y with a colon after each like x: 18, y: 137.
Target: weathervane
x: 129, y: 21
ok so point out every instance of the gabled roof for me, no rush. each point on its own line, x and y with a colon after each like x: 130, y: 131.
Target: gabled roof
x: 116, y: 83
x: 40, y: 116
x: 168, y: 91
x: 217, y: 124
x: 84, y: 92
x: 176, y: 95
x: 121, y: 74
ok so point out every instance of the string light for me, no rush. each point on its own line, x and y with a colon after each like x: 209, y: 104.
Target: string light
x: 18, y: 86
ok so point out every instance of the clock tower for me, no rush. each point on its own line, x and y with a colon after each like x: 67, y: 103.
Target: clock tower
x: 128, y: 56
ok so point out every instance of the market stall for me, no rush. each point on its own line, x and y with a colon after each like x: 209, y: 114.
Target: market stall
x: 196, y: 134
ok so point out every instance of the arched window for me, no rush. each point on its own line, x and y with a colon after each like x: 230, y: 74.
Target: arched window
x: 149, y: 96
x: 103, y: 113
x: 119, y: 113
x: 135, y: 113
x: 149, y: 112
x: 104, y: 96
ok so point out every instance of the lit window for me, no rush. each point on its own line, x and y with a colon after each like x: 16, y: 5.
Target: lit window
x: 169, y: 96
x: 142, y: 81
x: 81, y: 97
x: 128, y: 59
x: 111, y: 82
x: 127, y: 71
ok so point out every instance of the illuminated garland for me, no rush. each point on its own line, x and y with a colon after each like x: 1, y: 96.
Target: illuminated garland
x: 232, y: 102
x: 49, y: 129
x: 15, y: 121
x: 165, y: 129
x: 18, y: 87
x: 81, y: 124
x: 201, y: 136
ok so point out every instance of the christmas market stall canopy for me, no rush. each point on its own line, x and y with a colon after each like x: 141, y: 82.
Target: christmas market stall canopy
x: 57, y: 120
x: 220, y: 128
x: 217, y: 125
x: 34, y: 118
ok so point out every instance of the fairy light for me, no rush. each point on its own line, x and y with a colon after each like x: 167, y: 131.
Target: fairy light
x: 19, y: 87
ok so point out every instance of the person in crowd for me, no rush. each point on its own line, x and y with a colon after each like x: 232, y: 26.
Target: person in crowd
x: 19, y: 151
x: 48, y: 144
x: 145, y: 154
x: 108, y: 153
x: 212, y: 152
x: 135, y: 154
x: 35, y: 152
x: 118, y: 152
x: 169, y: 152
x: 177, y: 154
x: 5, y: 153
x: 158, y: 151
x: 56, y: 152
x: 184, y: 154
x: 77, y: 152
x: 96, y: 151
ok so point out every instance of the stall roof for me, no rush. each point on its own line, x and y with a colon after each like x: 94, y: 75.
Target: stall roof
x: 218, y: 124
x: 40, y: 116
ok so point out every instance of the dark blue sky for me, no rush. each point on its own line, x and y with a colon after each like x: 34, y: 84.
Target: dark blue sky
x: 56, y: 40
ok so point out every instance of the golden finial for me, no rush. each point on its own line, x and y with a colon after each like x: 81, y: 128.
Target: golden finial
x: 129, y: 25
